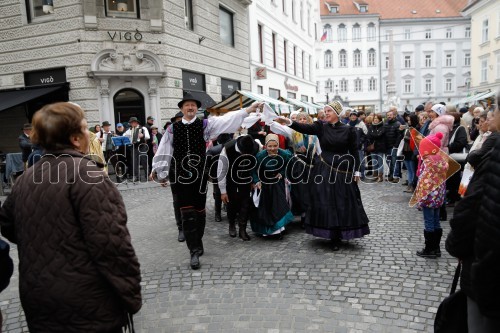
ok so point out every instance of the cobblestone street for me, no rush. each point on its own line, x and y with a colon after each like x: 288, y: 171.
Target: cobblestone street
x: 376, y: 284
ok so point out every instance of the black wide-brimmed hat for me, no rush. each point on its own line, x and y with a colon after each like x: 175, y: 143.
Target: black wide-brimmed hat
x: 105, y: 123
x: 177, y: 115
x: 27, y: 126
x: 189, y: 97
x: 247, y: 145
x: 133, y: 119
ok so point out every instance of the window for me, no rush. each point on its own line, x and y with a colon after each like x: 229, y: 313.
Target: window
x: 386, y: 86
x: 303, y: 65
x: 371, y: 58
x: 328, y: 59
x: 372, y: 84
x: 449, y: 60
x: 357, y: 58
x: 407, y: 34
x: 467, y: 32
x: 261, y: 45
x: 317, y: 87
x: 302, y: 15
x: 293, y: 10
x: 188, y: 14
x: 343, y: 85
x: 428, y: 34
x: 356, y: 33
x: 285, y: 47
x: 342, y: 31
x: 484, y: 70
x: 408, y: 88
x: 342, y: 58
x: 329, y: 86
x: 274, y: 93
x: 467, y: 83
x: 448, y: 85
x: 334, y: 9
x: 295, y: 60
x: 363, y: 9
x: 283, y: 5
x: 407, y: 61
x: 260, y: 90
x: 304, y: 98
x: 371, y: 32
x: 358, y: 85
x: 226, y: 26
x: 485, y: 31
x: 114, y: 8
x: 467, y: 59
x: 428, y: 85
x: 386, y: 62
x: 274, y: 50
x: 291, y: 95
x: 449, y: 33
x: 386, y: 33
x: 328, y: 30
x: 428, y: 60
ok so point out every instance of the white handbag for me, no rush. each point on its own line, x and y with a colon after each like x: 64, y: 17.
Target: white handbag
x: 256, y: 197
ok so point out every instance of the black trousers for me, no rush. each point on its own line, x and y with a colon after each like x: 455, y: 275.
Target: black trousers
x: 139, y: 157
x: 217, y: 199
x: 239, y: 203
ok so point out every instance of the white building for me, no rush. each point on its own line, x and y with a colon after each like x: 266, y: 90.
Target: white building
x: 282, y: 38
x: 431, y: 51
x: 118, y: 59
x: 485, y: 41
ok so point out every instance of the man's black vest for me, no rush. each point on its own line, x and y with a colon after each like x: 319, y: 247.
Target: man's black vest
x: 240, y: 168
x: 189, y: 151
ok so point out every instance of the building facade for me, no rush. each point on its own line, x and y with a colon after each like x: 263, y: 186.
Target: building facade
x: 421, y: 49
x: 282, y: 39
x: 119, y: 59
x: 485, y: 42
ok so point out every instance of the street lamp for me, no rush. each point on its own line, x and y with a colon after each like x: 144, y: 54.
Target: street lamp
x: 326, y: 98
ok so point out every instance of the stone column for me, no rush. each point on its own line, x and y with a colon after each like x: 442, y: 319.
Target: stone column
x: 153, y: 94
x: 105, y: 111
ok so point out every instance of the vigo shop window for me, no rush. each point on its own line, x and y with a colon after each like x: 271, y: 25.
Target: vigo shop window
x: 39, y: 8
x: 122, y: 8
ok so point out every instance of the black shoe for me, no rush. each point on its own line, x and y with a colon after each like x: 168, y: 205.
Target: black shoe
x: 232, y: 229
x: 218, y: 218
x: 181, y: 237
x: 405, y: 183
x: 428, y: 250
x: 303, y: 222
x: 195, y: 261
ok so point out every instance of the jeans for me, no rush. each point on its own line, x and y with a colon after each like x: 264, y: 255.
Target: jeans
x: 479, y: 323
x: 391, y: 156
x: 431, y: 219
x: 362, y: 162
x: 378, y: 163
x: 411, y: 169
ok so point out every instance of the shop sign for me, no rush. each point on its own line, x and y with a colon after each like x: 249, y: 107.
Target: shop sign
x: 290, y: 87
x: 45, y: 77
x: 193, y: 81
x: 261, y: 73
x: 229, y: 86
x: 129, y: 35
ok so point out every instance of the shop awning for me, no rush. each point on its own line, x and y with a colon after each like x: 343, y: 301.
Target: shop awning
x: 475, y: 97
x: 241, y: 99
x: 203, y: 97
x: 309, y: 108
x: 11, y: 98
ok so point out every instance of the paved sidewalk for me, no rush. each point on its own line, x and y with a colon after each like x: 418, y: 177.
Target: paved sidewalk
x: 376, y: 284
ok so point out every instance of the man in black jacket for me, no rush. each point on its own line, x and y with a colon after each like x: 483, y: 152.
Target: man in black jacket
x: 475, y: 231
x: 25, y: 143
x: 392, y: 136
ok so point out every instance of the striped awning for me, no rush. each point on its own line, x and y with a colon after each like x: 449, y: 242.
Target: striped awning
x: 475, y: 97
x: 241, y: 99
x: 308, y: 107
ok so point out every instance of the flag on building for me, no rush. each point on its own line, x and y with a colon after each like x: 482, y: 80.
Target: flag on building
x: 323, y: 38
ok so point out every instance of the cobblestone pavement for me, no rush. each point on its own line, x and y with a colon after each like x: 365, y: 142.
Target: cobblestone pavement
x: 376, y: 284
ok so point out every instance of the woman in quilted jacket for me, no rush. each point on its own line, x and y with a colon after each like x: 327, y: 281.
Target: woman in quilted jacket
x: 430, y: 192
x: 78, y: 271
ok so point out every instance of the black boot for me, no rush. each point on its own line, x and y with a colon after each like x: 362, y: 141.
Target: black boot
x: 181, y: 237
x: 178, y: 219
x: 191, y: 228
x: 243, y: 230
x: 336, y: 244
x: 195, y: 261
x: 201, y: 218
x: 443, y: 214
x: 232, y: 228
x: 438, y: 233
x: 302, y: 222
x: 428, y: 251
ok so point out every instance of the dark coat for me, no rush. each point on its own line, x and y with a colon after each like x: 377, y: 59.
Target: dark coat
x: 78, y: 271
x: 392, y: 134
x: 474, y: 235
x: 475, y: 157
x: 460, y: 140
x: 25, y: 145
x: 376, y: 135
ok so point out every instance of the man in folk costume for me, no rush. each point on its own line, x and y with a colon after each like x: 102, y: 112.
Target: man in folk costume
x: 138, y: 136
x: 234, y: 170
x: 186, y: 141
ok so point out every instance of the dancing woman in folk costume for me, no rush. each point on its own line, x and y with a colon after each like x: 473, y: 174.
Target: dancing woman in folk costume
x: 335, y: 210
x: 305, y: 147
x: 273, y: 211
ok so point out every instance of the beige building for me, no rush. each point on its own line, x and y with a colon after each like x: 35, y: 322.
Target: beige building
x: 118, y: 58
x: 485, y: 45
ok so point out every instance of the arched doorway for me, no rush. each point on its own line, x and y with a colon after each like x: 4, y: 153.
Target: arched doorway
x: 129, y: 103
